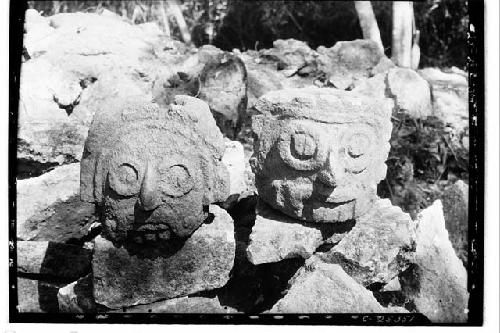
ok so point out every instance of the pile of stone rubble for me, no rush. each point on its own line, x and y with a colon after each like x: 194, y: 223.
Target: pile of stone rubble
x: 139, y: 203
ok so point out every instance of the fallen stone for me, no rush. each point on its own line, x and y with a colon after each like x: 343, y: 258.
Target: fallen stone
x: 48, y: 259
x: 181, y: 305
x: 203, y: 263
x: 65, y: 221
x: 348, y: 62
x: 437, y: 75
x: 456, y: 216
x: 319, y: 287
x: 263, y: 78
x: 291, y: 56
x: 77, y: 297
x: 234, y: 160
x: 410, y: 91
x: 376, y: 87
x: 77, y: 60
x: 276, y: 236
x: 223, y: 85
x: 437, y: 283
x: 35, y: 296
x: 379, y: 246
x: 36, y: 194
x: 217, y: 77
x: 392, y: 285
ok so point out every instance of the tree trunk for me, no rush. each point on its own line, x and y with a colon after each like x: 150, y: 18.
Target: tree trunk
x: 368, y: 22
x: 164, y: 18
x: 402, y: 26
x: 175, y: 8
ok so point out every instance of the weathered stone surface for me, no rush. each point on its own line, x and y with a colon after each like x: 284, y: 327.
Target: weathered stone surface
x: 122, y: 279
x: 153, y: 169
x: 65, y: 221
x: 181, y: 305
x: 319, y: 152
x: 36, y: 194
x: 234, y: 160
x: 48, y: 259
x: 450, y: 98
x: 216, y: 77
x: 456, y: 216
x: 276, y: 236
x: 77, y: 297
x: 348, y: 62
x: 34, y: 296
x: 411, y: 92
x: 320, y: 287
x: 437, y: 76
x: 379, y: 246
x: 263, y: 77
x: 77, y: 60
x: 392, y: 285
x: 223, y: 85
x: 437, y: 283
x: 291, y: 56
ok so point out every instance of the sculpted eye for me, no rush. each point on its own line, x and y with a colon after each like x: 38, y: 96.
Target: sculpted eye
x: 124, y: 179
x: 176, y: 180
x: 303, y: 146
x: 357, y: 145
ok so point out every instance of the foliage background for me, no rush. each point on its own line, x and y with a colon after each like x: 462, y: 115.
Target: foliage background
x: 256, y: 24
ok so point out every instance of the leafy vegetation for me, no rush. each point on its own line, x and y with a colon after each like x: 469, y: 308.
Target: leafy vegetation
x: 247, y: 25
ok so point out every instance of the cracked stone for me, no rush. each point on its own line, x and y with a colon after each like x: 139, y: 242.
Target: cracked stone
x: 320, y: 287
x: 437, y: 280
x: 379, y: 246
x: 203, y: 263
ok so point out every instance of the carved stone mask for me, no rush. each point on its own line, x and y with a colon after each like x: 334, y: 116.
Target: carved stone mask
x: 153, y: 170
x: 320, y: 153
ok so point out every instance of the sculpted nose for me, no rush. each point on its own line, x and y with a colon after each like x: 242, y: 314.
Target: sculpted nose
x: 149, y: 194
x: 331, y: 173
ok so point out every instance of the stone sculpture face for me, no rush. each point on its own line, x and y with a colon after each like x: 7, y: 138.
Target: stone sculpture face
x: 153, y: 170
x: 319, y: 153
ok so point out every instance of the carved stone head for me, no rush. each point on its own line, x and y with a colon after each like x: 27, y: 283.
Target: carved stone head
x: 153, y: 170
x: 320, y: 153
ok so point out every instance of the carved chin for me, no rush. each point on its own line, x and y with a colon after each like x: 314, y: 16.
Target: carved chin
x: 159, y: 225
x: 301, y: 201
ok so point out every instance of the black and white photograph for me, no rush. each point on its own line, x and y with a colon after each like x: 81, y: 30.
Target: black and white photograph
x: 228, y: 162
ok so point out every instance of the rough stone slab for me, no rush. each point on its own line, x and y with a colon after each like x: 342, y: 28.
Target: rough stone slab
x: 77, y: 61
x: 181, y: 305
x: 290, y: 56
x: 34, y: 296
x: 411, y: 92
x: 203, y: 263
x: 320, y: 287
x: 378, y: 247
x: 392, y: 285
x: 77, y: 297
x: 38, y: 193
x: 348, y: 62
x: 49, y: 259
x: 234, y: 160
x: 68, y: 220
x: 438, y: 282
x: 456, y: 216
x: 276, y: 236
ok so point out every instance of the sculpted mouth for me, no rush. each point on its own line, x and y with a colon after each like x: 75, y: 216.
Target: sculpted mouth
x: 151, y: 233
